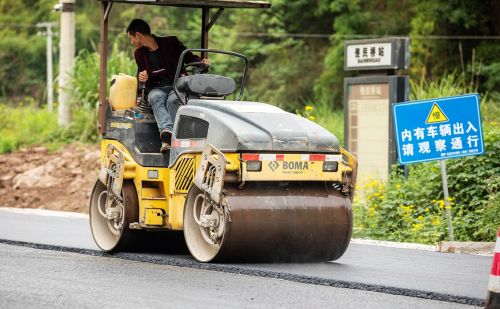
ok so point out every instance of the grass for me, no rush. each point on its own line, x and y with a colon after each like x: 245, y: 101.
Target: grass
x: 28, y: 125
x: 452, y: 85
x: 24, y: 126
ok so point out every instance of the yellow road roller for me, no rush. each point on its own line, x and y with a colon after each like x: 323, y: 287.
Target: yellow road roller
x: 243, y: 181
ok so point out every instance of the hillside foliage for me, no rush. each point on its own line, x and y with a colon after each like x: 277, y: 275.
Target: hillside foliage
x: 295, y: 48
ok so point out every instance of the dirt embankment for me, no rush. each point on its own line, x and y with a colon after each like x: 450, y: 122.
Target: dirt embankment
x: 35, y: 178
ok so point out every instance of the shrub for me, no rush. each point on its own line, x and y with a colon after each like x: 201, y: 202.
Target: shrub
x: 411, y: 208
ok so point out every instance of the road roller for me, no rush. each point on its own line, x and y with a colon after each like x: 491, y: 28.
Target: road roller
x: 242, y: 181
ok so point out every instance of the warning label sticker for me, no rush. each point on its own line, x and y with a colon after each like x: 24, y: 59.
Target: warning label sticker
x: 436, y: 115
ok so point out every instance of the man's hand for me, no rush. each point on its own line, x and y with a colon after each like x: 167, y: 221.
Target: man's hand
x: 206, y: 61
x: 143, y: 76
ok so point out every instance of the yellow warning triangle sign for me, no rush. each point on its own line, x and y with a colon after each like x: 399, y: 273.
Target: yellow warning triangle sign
x: 436, y: 115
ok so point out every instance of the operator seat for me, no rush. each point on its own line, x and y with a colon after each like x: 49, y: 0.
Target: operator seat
x: 206, y: 86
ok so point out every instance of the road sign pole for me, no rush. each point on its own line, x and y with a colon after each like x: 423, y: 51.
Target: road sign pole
x: 446, y: 199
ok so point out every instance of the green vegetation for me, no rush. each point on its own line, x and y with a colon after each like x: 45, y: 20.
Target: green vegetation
x: 22, y: 51
x: 295, y: 48
x: 25, y: 125
x: 412, y: 209
x: 28, y: 125
x: 85, y: 90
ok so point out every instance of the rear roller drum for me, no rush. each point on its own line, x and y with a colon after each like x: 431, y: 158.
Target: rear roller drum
x: 204, y: 225
x: 110, y: 217
x: 267, y: 222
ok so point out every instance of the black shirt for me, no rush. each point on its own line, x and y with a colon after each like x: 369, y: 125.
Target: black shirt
x: 170, y: 49
x: 158, y: 78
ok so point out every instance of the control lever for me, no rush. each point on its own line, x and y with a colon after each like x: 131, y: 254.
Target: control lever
x: 142, y: 105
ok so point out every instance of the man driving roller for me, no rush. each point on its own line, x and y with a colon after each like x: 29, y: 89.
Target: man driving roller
x: 157, y: 59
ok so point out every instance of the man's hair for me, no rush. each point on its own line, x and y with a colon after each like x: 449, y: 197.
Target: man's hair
x: 138, y: 25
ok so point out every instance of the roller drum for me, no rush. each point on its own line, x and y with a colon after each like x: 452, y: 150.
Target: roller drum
x: 270, y: 222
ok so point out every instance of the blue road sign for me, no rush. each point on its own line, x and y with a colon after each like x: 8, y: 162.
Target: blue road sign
x: 438, y: 129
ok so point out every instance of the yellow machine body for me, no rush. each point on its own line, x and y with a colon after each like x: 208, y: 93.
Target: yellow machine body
x: 162, y: 192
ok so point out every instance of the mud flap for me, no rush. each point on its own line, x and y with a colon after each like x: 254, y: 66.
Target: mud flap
x: 210, y: 174
x: 112, y: 169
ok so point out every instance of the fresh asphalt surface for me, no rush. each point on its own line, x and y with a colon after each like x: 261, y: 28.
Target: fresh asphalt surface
x: 449, y: 277
x: 51, y: 279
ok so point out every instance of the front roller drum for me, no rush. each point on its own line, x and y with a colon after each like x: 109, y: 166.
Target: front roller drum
x: 110, y: 220
x: 269, y: 222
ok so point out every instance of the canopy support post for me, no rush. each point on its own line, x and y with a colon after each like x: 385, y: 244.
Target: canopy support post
x: 205, y: 11
x: 214, y: 18
x: 103, y: 51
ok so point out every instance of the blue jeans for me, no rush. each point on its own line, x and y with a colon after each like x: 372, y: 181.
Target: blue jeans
x: 165, y: 105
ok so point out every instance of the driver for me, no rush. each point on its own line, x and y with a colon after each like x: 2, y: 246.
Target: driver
x: 157, y: 59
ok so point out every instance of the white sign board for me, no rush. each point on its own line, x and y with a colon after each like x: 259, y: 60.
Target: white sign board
x: 377, y: 54
x: 367, y: 55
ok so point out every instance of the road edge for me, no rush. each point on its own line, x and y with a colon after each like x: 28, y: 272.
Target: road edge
x: 474, y: 248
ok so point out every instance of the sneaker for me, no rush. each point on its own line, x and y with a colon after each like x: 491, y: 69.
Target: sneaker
x: 165, y: 147
x: 166, y: 136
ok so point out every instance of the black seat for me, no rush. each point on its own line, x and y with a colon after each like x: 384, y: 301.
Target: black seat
x: 206, y: 85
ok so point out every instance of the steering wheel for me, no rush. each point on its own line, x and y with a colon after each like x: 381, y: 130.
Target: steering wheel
x: 196, y: 67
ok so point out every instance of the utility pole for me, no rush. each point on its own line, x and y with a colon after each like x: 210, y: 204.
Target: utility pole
x: 66, y: 59
x: 50, y: 78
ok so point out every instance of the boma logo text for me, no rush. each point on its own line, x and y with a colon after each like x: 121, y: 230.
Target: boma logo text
x: 295, y: 165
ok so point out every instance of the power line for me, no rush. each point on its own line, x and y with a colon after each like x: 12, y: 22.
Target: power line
x: 296, y: 35
x: 363, y: 36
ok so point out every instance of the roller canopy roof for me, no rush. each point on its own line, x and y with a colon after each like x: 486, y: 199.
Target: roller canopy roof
x: 201, y: 3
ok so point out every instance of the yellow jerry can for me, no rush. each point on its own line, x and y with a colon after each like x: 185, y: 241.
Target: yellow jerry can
x: 123, y: 91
